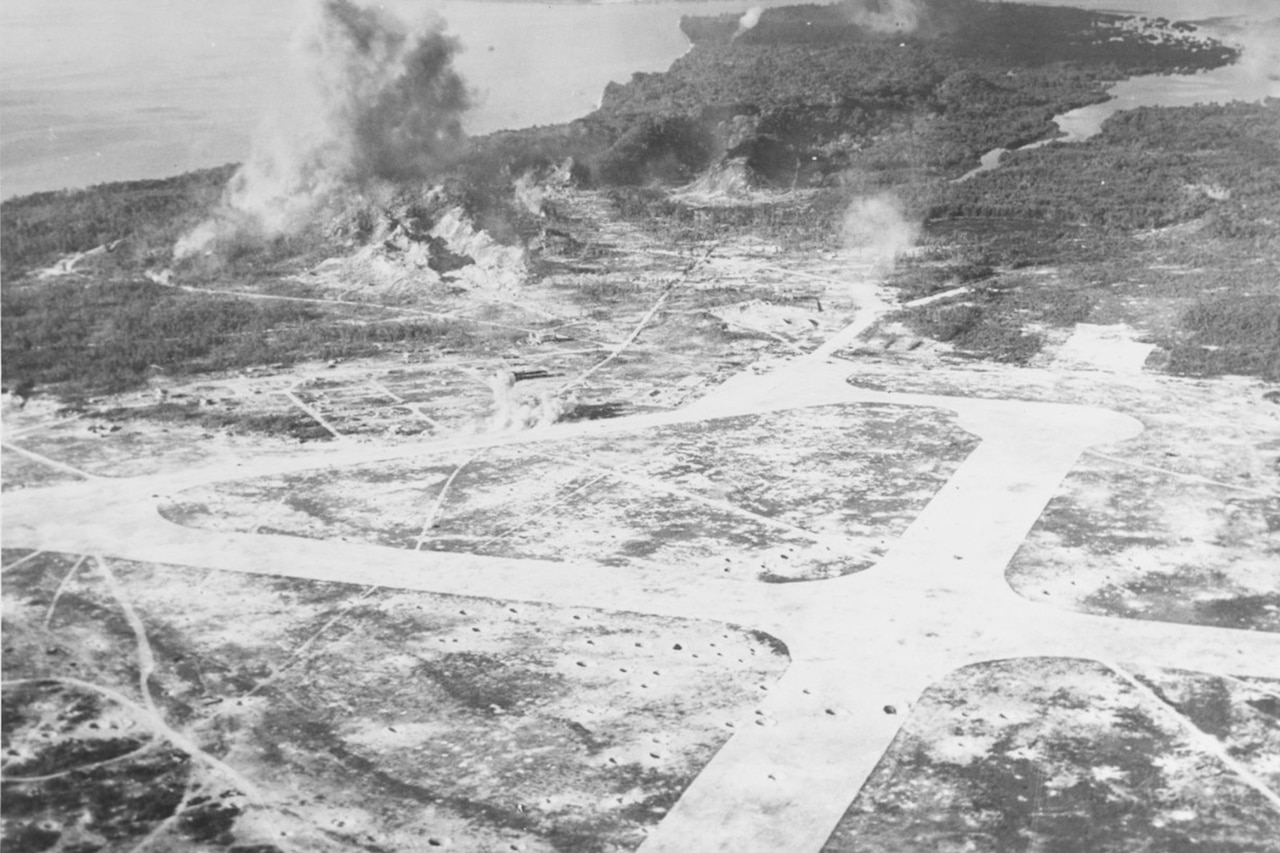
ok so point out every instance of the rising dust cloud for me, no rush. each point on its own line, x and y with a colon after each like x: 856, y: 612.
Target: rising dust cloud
x: 877, y: 228
x: 748, y: 21
x: 884, y: 16
x: 881, y: 16
x: 372, y: 101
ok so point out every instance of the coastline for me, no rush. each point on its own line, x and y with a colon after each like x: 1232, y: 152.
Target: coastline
x: 202, y: 137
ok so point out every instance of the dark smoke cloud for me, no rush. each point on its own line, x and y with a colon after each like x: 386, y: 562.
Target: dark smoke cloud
x: 397, y: 92
x: 372, y: 101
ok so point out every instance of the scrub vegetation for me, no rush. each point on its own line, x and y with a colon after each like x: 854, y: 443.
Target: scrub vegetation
x: 768, y: 132
x: 103, y: 337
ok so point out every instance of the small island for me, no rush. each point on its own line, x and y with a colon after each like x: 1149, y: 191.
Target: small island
x: 737, y: 467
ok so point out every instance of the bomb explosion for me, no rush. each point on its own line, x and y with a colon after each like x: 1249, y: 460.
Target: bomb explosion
x: 733, y: 469
x: 373, y: 101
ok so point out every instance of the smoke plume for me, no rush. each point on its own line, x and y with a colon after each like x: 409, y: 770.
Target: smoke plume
x: 372, y: 101
x: 748, y: 21
x: 884, y: 16
x: 877, y: 229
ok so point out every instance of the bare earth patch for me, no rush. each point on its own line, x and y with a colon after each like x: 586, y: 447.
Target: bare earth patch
x: 721, y: 497
x: 353, y: 716
x: 1145, y: 545
x: 1060, y: 754
x: 23, y: 472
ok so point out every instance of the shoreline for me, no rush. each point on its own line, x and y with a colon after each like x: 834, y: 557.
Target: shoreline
x: 1227, y: 35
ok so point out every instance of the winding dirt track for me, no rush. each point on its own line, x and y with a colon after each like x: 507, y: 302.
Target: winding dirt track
x: 937, y: 601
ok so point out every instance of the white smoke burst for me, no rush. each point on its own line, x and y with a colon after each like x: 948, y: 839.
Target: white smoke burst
x: 748, y: 21
x: 884, y: 16
x: 370, y: 100
x: 877, y: 229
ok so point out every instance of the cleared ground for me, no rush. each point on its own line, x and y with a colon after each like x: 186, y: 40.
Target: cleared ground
x: 693, y: 549
x: 362, y: 717
x: 332, y: 698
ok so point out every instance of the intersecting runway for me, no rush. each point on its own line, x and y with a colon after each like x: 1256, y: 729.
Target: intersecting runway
x: 862, y: 647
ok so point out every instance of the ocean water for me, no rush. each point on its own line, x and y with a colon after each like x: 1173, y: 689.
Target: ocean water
x: 107, y: 90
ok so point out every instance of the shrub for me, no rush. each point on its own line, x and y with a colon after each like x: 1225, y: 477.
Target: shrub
x: 1240, y: 335
x: 111, y: 336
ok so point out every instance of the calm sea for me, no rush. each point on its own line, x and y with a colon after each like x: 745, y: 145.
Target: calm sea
x: 106, y: 90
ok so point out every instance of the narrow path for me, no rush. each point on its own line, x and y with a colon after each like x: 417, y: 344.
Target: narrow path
x: 45, y: 460
x: 310, y: 412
